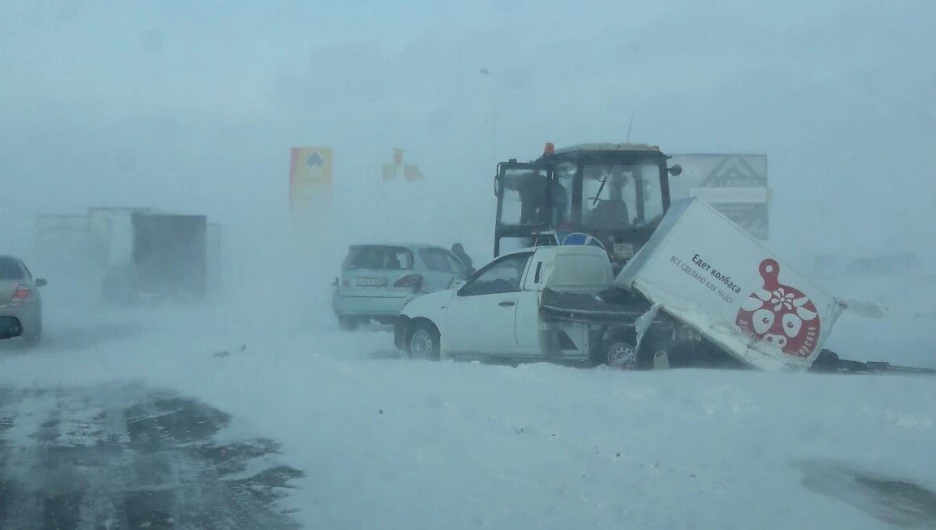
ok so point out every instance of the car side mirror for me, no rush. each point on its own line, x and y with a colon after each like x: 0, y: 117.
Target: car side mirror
x: 41, y: 282
x: 10, y: 327
x: 675, y: 171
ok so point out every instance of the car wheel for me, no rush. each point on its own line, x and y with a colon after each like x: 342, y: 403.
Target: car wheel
x: 622, y: 355
x: 348, y: 323
x: 423, y: 342
x: 620, y: 351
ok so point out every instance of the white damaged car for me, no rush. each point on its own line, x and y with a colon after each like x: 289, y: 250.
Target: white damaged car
x: 555, y: 303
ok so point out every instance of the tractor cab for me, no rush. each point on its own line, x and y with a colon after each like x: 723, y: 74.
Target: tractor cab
x: 608, y: 195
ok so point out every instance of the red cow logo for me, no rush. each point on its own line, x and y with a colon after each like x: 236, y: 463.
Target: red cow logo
x: 780, y: 317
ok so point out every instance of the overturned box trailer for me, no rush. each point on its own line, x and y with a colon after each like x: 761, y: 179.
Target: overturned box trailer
x: 105, y: 225
x: 710, y: 274
x: 169, y: 257
x: 145, y: 255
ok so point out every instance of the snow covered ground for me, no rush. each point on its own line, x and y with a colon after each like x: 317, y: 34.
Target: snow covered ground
x: 392, y: 443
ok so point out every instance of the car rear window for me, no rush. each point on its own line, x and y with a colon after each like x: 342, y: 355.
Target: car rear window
x: 10, y: 269
x: 378, y: 257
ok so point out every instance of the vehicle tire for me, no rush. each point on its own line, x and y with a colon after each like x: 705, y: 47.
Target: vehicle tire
x: 620, y: 351
x: 422, y: 341
x: 348, y: 323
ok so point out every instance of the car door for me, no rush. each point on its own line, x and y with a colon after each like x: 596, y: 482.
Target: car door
x: 458, y: 266
x: 481, y: 318
x: 437, y: 269
x: 528, y: 305
x: 459, y: 271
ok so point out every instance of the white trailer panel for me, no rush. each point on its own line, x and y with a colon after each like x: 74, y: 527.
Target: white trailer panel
x: 714, y: 276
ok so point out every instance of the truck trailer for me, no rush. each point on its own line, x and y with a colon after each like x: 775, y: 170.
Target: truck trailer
x: 156, y: 257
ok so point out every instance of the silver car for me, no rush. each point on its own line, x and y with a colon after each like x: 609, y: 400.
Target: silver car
x: 377, y: 280
x: 20, y: 298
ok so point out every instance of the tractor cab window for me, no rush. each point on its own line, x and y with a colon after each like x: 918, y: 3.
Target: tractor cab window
x: 561, y: 195
x: 525, y: 197
x: 621, y: 196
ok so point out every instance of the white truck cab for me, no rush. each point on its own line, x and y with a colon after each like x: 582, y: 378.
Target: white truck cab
x: 536, y: 303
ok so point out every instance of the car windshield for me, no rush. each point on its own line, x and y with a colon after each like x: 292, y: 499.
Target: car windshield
x: 621, y: 196
x: 10, y: 269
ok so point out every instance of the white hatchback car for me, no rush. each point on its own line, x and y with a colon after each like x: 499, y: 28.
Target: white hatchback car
x: 377, y: 280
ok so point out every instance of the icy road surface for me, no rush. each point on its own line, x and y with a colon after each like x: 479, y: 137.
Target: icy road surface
x: 124, y: 456
x: 367, y: 440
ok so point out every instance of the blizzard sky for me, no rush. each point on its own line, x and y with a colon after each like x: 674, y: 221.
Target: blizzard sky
x: 193, y: 106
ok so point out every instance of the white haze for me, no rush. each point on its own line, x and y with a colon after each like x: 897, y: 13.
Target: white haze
x: 193, y: 108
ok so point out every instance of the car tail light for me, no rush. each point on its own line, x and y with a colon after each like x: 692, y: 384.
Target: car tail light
x: 21, y: 294
x: 412, y: 281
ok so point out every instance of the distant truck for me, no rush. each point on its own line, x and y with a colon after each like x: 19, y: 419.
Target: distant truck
x: 156, y: 257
